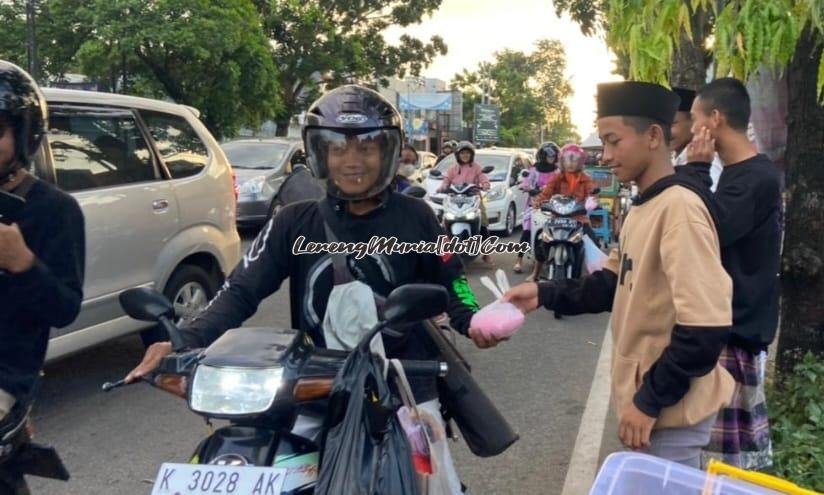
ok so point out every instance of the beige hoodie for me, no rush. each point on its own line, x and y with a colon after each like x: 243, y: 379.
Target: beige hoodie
x: 669, y: 272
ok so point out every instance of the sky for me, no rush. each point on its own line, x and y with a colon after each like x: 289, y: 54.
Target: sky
x: 474, y: 29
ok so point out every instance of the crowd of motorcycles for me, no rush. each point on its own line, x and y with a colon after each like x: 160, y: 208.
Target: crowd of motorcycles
x: 261, y: 379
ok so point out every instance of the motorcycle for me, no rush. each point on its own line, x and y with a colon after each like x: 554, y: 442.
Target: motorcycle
x: 19, y: 456
x: 264, y: 382
x: 561, y: 236
x: 461, y: 214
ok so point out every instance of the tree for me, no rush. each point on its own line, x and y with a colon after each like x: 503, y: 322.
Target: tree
x: 749, y: 36
x: 554, y: 90
x: 531, y: 91
x: 212, y: 55
x: 319, y: 43
x: 689, y: 57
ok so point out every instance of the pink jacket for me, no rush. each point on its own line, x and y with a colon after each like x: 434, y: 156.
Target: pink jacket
x: 465, y: 174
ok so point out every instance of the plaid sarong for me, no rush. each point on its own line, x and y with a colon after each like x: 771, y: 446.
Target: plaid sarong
x: 741, y: 435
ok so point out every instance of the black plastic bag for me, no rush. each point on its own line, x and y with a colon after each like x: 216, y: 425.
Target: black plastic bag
x: 365, y: 450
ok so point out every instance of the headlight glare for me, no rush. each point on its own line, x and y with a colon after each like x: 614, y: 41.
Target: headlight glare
x: 234, y: 391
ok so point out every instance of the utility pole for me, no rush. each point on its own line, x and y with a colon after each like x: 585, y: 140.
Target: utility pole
x: 31, y: 45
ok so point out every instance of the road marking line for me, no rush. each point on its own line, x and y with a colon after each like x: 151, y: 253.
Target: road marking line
x: 583, y: 465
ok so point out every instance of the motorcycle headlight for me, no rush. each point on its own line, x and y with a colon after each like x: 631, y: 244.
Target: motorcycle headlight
x: 234, y: 391
x: 546, y: 236
x: 495, y: 194
x: 576, y: 237
x: 252, y: 186
x: 449, y: 216
x: 471, y: 215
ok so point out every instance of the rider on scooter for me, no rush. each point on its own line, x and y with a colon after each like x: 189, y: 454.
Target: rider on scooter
x: 572, y: 181
x: 466, y: 171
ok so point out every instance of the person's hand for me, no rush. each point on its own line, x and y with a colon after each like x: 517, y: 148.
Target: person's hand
x: 482, y: 341
x: 635, y: 427
x: 151, y: 360
x: 15, y: 255
x: 523, y: 297
x: 701, y: 148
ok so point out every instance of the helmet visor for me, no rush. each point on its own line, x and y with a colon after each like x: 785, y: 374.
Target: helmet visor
x: 572, y: 160
x: 355, y: 165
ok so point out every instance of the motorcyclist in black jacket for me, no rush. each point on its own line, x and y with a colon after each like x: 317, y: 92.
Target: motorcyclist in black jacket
x: 42, y: 244
x: 352, y: 138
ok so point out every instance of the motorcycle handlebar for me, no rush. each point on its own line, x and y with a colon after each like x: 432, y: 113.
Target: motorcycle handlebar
x: 425, y: 368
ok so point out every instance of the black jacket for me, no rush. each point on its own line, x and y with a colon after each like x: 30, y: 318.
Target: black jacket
x: 691, y: 353
x: 270, y: 261
x: 750, y: 224
x: 48, y: 295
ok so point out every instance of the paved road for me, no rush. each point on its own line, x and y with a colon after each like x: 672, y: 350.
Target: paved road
x: 113, y: 442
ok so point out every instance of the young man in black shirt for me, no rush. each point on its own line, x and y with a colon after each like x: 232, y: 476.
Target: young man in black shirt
x: 750, y: 211
x: 42, y: 247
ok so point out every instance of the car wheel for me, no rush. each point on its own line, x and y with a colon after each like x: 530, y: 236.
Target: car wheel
x: 190, y: 288
x: 510, y: 220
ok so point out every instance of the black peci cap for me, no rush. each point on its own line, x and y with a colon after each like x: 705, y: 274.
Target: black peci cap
x: 687, y: 96
x: 637, y: 99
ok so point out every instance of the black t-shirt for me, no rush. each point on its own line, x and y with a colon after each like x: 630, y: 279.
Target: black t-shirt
x: 750, y: 205
x: 49, y: 294
x: 270, y: 260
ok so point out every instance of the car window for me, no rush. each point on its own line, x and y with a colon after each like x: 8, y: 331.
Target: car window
x: 182, y: 150
x: 93, y: 149
x: 256, y: 155
x: 515, y: 174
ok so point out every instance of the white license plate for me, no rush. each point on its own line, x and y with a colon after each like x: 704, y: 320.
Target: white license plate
x: 566, y: 223
x: 203, y: 479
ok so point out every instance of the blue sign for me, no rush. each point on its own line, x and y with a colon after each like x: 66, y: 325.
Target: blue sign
x: 426, y: 101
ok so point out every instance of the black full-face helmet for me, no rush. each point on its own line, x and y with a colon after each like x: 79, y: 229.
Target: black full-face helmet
x: 353, y: 113
x: 550, y: 150
x: 23, y: 110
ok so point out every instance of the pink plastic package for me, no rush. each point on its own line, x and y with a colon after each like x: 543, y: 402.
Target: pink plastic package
x: 498, y: 319
x: 591, y: 203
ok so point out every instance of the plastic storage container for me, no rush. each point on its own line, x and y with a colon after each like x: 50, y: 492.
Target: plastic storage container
x: 629, y: 473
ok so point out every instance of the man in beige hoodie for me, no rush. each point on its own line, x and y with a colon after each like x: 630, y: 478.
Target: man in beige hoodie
x: 670, y: 297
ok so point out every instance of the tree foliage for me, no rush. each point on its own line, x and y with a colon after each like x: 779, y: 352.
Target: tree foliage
x: 746, y: 34
x: 319, y: 43
x: 531, y: 91
x: 211, y: 54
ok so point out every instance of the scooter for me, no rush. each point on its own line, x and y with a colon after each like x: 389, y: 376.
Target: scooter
x: 262, y: 381
x: 461, y: 213
x: 561, y: 236
x: 19, y: 456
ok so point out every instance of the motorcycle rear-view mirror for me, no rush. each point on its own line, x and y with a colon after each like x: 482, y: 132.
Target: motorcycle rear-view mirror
x: 146, y: 304
x: 435, y: 173
x: 596, y: 190
x: 415, y: 302
x: 525, y: 173
x: 487, y: 169
x: 415, y: 191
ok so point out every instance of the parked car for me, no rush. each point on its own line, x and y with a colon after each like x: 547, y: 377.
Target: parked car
x: 505, y: 202
x: 159, y: 201
x: 261, y: 165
